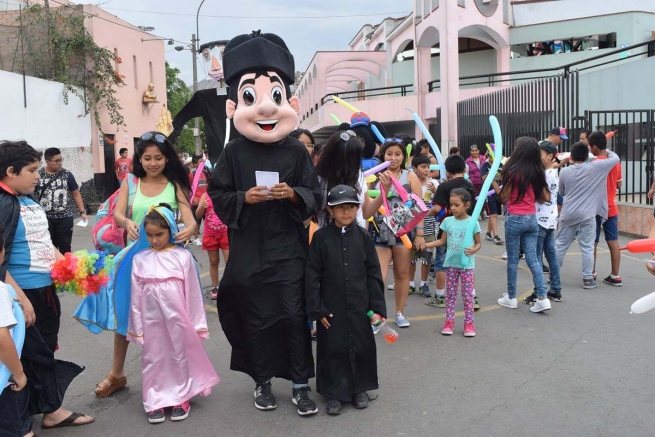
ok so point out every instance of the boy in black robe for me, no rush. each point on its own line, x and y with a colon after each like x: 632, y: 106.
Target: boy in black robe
x: 343, y: 282
x: 260, y: 298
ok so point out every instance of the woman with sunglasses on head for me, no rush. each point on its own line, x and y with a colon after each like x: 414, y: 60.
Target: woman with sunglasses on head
x: 388, y: 246
x: 161, y: 179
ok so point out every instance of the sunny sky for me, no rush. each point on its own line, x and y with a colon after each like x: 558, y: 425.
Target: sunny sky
x: 306, y: 26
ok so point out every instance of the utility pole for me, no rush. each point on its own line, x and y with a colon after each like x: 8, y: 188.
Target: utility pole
x: 48, y: 20
x: 196, y: 121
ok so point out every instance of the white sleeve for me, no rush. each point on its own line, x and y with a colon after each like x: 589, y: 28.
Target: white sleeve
x: 7, y: 319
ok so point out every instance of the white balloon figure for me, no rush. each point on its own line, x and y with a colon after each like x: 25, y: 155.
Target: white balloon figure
x: 644, y: 304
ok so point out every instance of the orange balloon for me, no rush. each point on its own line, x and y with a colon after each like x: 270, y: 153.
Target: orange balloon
x: 609, y: 135
x: 640, y: 246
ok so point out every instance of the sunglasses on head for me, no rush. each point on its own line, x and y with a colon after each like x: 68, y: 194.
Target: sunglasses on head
x: 346, y: 135
x: 159, y: 138
x: 393, y: 140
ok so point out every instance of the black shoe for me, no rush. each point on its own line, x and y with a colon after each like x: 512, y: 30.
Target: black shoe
x: 333, y: 407
x: 264, y: 399
x: 545, y: 268
x: 306, y: 406
x: 555, y: 297
x: 360, y: 400
x: 530, y: 299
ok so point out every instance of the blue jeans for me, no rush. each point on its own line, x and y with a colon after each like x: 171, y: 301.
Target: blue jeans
x: 546, y: 245
x: 523, y: 230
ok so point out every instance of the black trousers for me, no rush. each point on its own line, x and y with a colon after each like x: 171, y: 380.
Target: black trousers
x: 12, y: 406
x: 61, y: 233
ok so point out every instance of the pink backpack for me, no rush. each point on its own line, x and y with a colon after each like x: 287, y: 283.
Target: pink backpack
x: 106, y: 234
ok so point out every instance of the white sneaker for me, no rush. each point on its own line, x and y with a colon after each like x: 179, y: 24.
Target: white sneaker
x: 198, y: 242
x: 505, y: 255
x: 505, y: 301
x: 401, y: 321
x: 540, y: 305
x: 390, y: 286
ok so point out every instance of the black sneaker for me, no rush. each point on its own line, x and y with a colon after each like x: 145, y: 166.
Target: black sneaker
x: 545, y: 268
x: 360, y: 400
x: 300, y: 397
x: 333, y: 407
x: 555, y: 297
x: 617, y: 282
x: 264, y: 399
x: 530, y: 299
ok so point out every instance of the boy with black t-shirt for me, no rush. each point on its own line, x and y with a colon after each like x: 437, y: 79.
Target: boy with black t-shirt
x: 455, y: 170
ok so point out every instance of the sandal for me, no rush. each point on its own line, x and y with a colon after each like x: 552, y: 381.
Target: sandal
x: 69, y: 421
x: 115, y: 384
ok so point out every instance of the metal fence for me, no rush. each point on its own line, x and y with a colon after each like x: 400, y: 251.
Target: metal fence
x: 529, y: 109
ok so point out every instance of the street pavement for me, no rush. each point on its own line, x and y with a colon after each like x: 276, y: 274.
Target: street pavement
x: 581, y: 369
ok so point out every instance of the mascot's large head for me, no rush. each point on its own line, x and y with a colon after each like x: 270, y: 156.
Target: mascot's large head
x: 361, y: 124
x: 259, y: 71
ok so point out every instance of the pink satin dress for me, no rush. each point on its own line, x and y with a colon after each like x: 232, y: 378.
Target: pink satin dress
x: 167, y: 317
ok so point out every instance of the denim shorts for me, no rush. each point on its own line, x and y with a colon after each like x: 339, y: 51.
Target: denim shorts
x: 610, y: 227
x: 494, y: 206
x: 560, y: 200
x: 439, y: 259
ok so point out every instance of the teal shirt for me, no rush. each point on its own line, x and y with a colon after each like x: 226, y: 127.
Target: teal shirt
x: 455, y: 230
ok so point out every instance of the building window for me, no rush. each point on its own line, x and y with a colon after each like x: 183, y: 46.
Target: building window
x: 136, y: 78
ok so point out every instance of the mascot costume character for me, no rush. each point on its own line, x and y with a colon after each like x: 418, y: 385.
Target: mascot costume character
x: 263, y: 188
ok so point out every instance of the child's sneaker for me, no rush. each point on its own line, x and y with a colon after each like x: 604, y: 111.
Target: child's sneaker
x: 198, y: 242
x: 214, y: 293
x: 617, y: 282
x: 476, y: 304
x: 447, y: 328
x: 540, y: 305
x: 589, y: 283
x: 180, y: 412
x: 300, y: 397
x: 488, y: 236
x: 436, y: 301
x: 505, y: 301
x: 425, y: 290
x: 497, y: 241
x: 264, y: 398
x: 505, y: 256
x: 156, y: 416
x: 412, y: 290
x: 530, y: 299
x: 469, y: 329
x: 432, y: 277
x: 555, y: 297
x: 390, y: 287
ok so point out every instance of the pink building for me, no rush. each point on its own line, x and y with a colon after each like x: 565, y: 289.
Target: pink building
x: 142, y: 62
x: 425, y: 61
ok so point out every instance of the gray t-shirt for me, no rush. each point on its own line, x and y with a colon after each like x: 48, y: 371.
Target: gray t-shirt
x: 584, y: 187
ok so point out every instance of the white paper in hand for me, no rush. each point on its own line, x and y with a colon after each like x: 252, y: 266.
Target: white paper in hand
x: 267, y: 178
x: 83, y: 223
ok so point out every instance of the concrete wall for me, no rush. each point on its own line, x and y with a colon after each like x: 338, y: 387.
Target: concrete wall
x: 47, y: 121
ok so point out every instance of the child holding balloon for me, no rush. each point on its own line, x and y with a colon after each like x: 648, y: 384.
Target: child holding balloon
x: 453, y: 230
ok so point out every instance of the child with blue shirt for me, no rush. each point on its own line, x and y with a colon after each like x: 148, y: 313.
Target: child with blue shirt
x: 453, y: 230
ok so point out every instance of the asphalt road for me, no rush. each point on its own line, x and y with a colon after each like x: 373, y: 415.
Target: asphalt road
x: 582, y: 369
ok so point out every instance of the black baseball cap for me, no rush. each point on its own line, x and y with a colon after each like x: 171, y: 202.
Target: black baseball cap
x: 342, y: 194
x: 559, y: 131
x: 548, y: 147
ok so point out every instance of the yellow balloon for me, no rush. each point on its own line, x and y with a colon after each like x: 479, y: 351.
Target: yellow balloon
x: 344, y: 104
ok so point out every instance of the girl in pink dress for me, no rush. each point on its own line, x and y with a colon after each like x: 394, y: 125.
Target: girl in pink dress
x: 167, y: 317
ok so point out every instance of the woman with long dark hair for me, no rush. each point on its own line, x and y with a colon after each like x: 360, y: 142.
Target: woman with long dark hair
x: 340, y: 164
x: 387, y: 245
x: 524, y: 183
x: 161, y: 179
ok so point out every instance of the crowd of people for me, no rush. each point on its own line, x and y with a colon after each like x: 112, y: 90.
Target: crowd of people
x: 316, y: 245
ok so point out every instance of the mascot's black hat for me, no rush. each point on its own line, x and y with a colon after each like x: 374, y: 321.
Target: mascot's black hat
x: 258, y: 51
